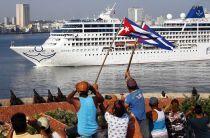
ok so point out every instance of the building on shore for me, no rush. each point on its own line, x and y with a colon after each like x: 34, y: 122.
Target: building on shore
x: 136, y: 14
x: 160, y: 20
x: 13, y: 20
x: 6, y: 21
x: 22, y: 15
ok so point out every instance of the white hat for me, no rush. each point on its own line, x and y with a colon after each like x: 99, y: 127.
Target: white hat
x: 43, y: 122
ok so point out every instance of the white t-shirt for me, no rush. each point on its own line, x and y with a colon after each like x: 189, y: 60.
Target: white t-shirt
x: 55, y: 135
x: 117, y: 126
x: 26, y: 135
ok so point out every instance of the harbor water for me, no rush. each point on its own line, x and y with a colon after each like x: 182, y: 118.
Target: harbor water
x: 22, y: 76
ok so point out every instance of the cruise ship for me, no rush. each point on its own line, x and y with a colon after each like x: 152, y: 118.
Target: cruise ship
x: 85, y: 42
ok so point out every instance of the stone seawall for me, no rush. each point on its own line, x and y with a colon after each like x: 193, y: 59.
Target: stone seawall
x: 6, y: 102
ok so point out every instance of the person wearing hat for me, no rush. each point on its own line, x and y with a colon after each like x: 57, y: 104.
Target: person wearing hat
x: 136, y: 103
x: 86, y: 107
x: 44, y: 125
x: 157, y: 120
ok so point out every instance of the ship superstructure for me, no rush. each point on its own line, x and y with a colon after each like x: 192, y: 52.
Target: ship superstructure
x: 85, y: 42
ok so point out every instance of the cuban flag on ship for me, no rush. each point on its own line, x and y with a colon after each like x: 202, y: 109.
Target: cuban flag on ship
x: 144, y: 34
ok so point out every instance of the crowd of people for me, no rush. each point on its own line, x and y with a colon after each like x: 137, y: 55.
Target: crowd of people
x: 121, y: 116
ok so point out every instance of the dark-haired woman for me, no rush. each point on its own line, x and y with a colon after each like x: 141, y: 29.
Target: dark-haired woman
x: 117, y: 119
x: 199, y: 123
x: 176, y: 121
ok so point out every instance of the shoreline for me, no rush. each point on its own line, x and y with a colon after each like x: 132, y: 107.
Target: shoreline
x: 171, y: 95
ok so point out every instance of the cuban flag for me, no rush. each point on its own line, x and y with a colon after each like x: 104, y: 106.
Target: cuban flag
x: 144, y: 34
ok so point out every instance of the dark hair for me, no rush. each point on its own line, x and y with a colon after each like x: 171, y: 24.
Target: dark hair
x: 119, y: 108
x: 198, y: 109
x: 153, y: 105
x: 19, y: 123
x: 175, y: 105
x: 163, y: 93
x: 175, y: 101
x: 131, y: 84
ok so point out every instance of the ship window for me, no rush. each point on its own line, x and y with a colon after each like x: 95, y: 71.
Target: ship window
x: 208, y: 50
x: 72, y: 26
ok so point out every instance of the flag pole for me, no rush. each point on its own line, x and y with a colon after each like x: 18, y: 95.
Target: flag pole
x: 131, y: 57
x: 113, y: 40
x: 132, y: 53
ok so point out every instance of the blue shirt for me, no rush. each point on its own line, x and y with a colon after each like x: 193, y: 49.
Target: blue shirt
x: 136, y: 103
x: 87, y: 124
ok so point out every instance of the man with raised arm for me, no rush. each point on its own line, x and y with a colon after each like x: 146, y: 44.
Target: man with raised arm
x: 86, y: 107
x: 135, y: 102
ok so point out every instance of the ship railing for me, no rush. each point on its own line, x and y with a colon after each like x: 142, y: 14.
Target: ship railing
x: 13, y: 45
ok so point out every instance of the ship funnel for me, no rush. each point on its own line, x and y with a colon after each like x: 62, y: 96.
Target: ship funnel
x: 196, y: 12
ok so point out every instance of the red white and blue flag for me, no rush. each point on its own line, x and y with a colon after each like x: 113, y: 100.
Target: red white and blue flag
x: 144, y: 34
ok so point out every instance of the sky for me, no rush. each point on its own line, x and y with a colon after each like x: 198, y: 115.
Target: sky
x: 68, y: 9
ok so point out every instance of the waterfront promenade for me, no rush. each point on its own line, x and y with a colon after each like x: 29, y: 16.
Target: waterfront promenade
x: 171, y: 95
x: 31, y: 110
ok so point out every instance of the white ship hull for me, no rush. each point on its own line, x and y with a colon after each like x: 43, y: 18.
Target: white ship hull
x: 85, y: 42
x: 64, y: 56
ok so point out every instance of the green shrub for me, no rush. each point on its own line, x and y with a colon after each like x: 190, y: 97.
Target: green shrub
x: 190, y: 102
x: 31, y: 130
x: 2, y: 136
x: 66, y: 117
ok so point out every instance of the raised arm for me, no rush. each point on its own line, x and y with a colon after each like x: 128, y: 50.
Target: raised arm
x: 190, y: 111
x: 99, y: 98
x: 73, y: 100
x: 127, y: 75
x: 71, y: 95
